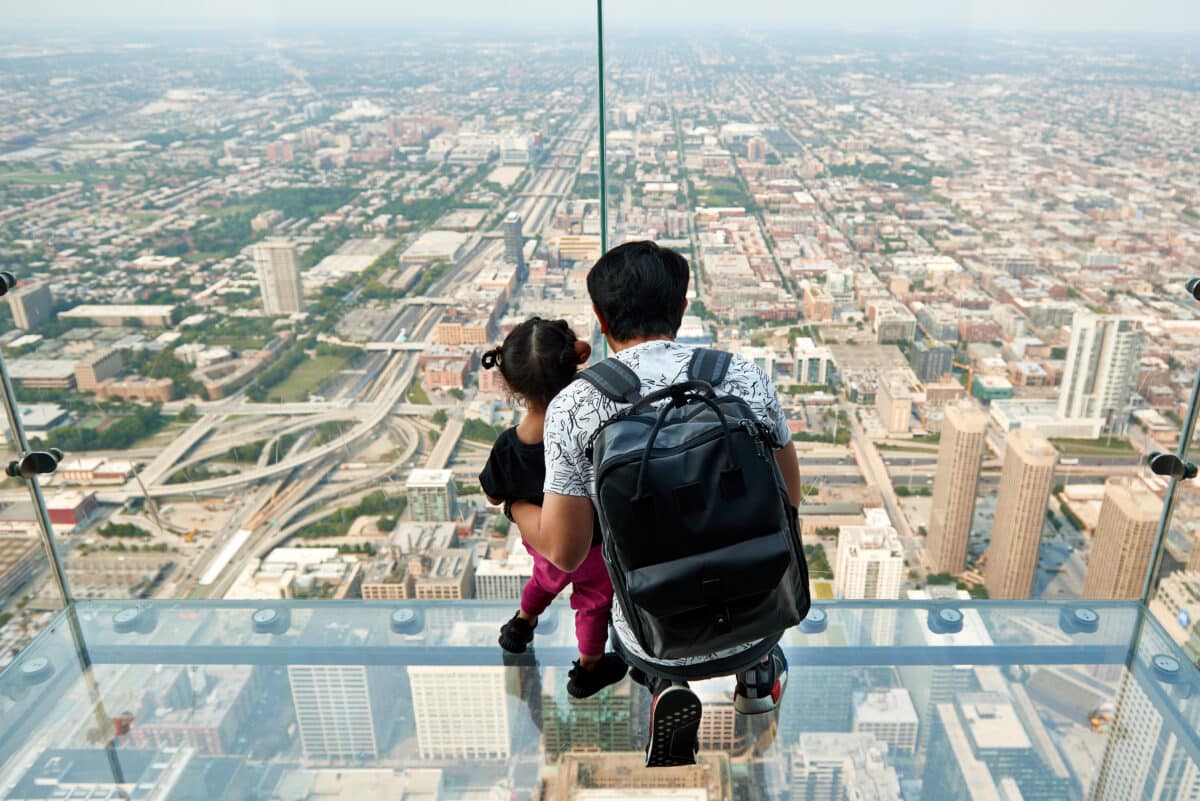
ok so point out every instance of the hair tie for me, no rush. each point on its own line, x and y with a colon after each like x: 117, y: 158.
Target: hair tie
x: 490, y: 359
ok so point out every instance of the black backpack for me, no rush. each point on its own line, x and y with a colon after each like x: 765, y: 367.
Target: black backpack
x: 698, y: 535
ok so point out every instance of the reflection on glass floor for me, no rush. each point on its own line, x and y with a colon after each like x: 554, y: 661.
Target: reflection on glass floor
x: 927, y: 700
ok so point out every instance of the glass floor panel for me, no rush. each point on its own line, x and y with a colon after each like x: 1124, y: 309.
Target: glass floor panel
x: 413, y: 701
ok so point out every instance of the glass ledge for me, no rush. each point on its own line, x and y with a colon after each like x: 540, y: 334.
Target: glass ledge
x: 294, y: 700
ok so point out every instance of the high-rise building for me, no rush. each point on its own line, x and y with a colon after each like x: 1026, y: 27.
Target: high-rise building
x: 870, y: 563
x: 31, y: 304
x: 980, y: 743
x: 1100, y: 374
x: 930, y: 685
x: 1147, y: 762
x: 932, y: 360
x: 603, y: 721
x: 504, y: 579
x: 1123, y: 540
x: 461, y: 711
x: 333, y: 711
x: 514, y: 241
x: 890, y: 716
x: 278, y: 277
x: 99, y: 366
x: 954, y: 485
x: 894, y: 403
x: 833, y: 767
x: 1025, y: 482
x: 431, y: 495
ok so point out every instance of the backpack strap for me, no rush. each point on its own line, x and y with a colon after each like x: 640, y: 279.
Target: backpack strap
x: 615, y: 380
x: 709, y: 365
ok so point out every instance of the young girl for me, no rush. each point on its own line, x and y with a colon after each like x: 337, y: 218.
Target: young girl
x: 537, y: 360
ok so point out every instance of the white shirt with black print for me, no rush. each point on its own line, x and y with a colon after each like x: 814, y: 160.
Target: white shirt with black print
x: 579, y: 410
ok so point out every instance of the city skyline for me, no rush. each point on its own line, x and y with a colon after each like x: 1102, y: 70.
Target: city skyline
x: 925, y: 243
x: 1166, y: 16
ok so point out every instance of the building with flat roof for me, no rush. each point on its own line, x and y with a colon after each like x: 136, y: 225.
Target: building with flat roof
x: 504, y: 579
x: 100, y: 366
x: 982, y: 740
x: 357, y: 784
x: 461, y: 712
x: 31, y: 304
x: 832, y: 766
x: 1013, y: 413
x: 1101, y: 369
x: 514, y: 241
x: 278, y: 277
x: 19, y: 559
x: 932, y: 360
x: 153, y: 315
x: 870, y: 563
x: 435, y: 246
x: 43, y: 373
x: 890, y: 716
x: 298, y: 573
x: 432, y: 495
x: 444, y: 574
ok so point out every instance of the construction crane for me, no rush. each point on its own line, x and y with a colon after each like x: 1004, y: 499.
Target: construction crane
x: 970, y: 368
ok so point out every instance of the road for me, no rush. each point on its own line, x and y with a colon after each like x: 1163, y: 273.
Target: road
x: 876, y: 475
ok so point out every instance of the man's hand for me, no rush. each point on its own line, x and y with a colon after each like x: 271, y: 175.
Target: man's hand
x: 561, y: 530
x: 789, y: 465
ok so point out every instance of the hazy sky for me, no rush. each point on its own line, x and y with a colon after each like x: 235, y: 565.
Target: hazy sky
x: 1174, y: 16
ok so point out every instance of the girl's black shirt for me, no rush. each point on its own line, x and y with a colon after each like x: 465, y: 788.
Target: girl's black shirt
x: 516, y: 471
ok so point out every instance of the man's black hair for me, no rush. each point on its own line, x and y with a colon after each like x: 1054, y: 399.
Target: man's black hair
x: 639, y: 289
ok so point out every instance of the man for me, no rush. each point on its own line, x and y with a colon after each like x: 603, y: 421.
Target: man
x: 639, y: 294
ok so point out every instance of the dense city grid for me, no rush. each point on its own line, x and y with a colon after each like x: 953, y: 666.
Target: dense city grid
x: 256, y: 274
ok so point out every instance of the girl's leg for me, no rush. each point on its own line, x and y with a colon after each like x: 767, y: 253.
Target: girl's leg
x: 591, y: 598
x: 543, y: 587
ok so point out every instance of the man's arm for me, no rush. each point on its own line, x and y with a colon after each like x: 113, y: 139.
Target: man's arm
x: 561, y: 530
x: 789, y: 465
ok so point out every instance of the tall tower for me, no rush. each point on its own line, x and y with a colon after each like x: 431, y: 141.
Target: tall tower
x: 333, y: 711
x: 1148, y: 761
x: 1123, y: 540
x: 1025, y: 482
x: 954, y: 486
x: 278, y: 277
x: 514, y: 241
x: 1101, y: 369
x: 31, y: 305
x: 461, y: 712
x: 870, y: 563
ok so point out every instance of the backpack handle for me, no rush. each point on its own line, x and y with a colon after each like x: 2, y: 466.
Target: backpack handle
x: 696, y: 388
x: 678, y: 393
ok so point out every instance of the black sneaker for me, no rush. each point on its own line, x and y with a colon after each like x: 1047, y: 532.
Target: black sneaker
x: 760, y: 688
x: 583, y: 683
x: 674, y: 728
x: 516, y: 634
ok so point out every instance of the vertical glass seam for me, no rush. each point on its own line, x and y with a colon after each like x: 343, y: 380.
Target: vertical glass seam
x: 35, y: 491
x: 1168, y: 508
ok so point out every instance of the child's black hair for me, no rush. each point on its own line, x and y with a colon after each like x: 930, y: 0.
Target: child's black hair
x: 537, y: 359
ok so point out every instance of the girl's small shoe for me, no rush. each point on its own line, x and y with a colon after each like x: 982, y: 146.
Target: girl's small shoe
x: 516, y: 634
x: 582, y: 683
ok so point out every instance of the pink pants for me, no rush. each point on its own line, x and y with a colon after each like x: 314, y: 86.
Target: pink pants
x: 591, y: 596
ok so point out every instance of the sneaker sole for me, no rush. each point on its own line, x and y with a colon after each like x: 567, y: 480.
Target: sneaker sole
x: 761, y: 706
x: 674, y: 727
x: 520, y: 650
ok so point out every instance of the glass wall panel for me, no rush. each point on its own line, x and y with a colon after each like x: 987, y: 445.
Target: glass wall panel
x: 261, y: 251
x: 941, y: 245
